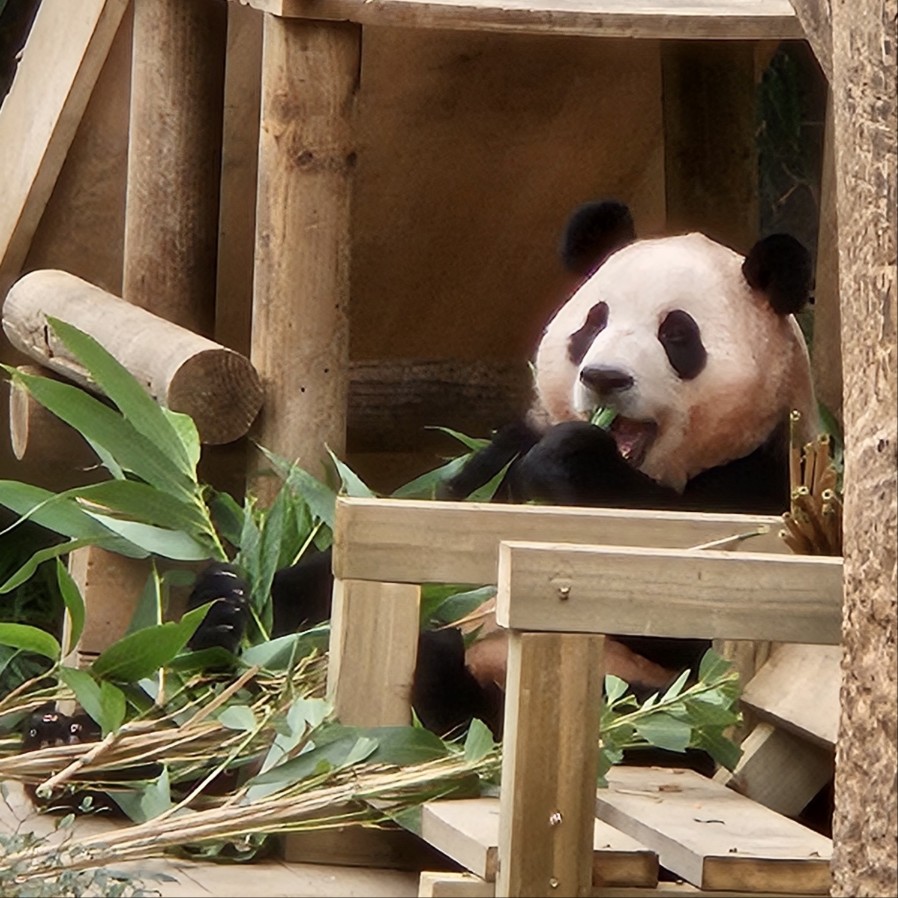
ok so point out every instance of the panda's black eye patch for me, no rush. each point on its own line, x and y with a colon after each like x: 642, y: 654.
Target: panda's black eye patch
x: 579, y: 342
x: 682, y: 341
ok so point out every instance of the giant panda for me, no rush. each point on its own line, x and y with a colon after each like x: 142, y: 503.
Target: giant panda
x: 697, y: 351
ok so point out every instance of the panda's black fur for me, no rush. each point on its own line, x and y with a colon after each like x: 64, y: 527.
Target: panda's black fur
x: 565, y: 462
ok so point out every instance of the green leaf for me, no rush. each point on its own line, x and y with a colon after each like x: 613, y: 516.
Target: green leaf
x: 30, y: 639
x: 38, y: 558
x: 143, y: 503
x: 676, y: 687
x: 479, y: 741
x: 486, y: 492
x: 425, y: 486
x: 712, y: 667
x: 320, y: 498
x: 353, y: 485
x: 174, y: 544
x: 148, y: 612
x: 228, y: 517
x: 141, y: 654
x: 74, y: 604
x: 457, y: 605
x: 724, y: 751
x: 473, y: 443
x: 151, y: 801
x: 103, y: 702
x: 664, y: 731
x: 100, y: 424
x: 615, y: 688
x: 237, y: 717
x: 189, y: 436
x: 270, y: 543
x: 132, y: 400
x: 320, y: 759
x: 400, y: 745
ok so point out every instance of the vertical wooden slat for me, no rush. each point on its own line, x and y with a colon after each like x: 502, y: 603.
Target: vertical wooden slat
x: 549, y: 764
x: 300, y: 339
x: 373, y: 646
x: 171, y: 209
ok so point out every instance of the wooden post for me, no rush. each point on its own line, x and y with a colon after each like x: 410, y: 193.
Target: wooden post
x: 865, y: 105
x: 300, y: 341
x: 373, y: 647
x: 171, y: 213
x: 549, y: 764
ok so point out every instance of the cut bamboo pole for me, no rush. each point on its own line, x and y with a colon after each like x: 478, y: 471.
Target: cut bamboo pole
x: 300, y: 340
x: 185, y: 372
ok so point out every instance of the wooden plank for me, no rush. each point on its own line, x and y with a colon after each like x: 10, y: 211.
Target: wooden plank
x: 433, y: 884
x: 373, y: 648
x: 549, y: 764
x: 669, y: 592
x: 778, y: 770
x: 712, y: 836
x: 740, y: 19
x: 467, y: 830
x: 410, y: 541
x: 60, y: 64
x: 300, y: 334
x: 798, y: 689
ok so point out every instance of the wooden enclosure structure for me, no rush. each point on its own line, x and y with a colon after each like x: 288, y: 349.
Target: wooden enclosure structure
x: 589, y: 572
x: 321, y: 213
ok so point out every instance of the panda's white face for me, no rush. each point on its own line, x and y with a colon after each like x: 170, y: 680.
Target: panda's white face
x: 668, y: 333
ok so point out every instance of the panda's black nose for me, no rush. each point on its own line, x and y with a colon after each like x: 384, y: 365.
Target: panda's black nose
x: 603, y: 380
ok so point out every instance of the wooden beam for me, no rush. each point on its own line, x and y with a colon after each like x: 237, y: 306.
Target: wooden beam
x: 60, y: 64
x: 412, y: 541
x: 373, y: 649
x: 467, y: 830
x: 712, y: 836
x: 183, y: 371
x: 550, y: 762
x: 171, y: 211
x: 300, y: 339
x: 817, y: 27
x: 743, y: 19
x: 669, y: 592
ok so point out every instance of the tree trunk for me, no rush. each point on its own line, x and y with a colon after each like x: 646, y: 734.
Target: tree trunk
x: 866, y: 115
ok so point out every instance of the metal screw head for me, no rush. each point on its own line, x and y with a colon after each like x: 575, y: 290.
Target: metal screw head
x: 555, y: 818
x: 564, y: 593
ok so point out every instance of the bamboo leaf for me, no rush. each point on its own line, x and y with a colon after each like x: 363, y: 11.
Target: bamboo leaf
x: 479, y: 741
x: 141, y: 654
x: 425, y: 486
x: 473, y: 443
x: 102, y: 701
x: 320, y: 498
x: 456, y: 606
x: 615, y: 688
x: 30, y: 639
x: 133, y: 401
x: 74, y: 604
x: 185, y: 427
x: 353, y: 485
x: 238, y: 717
x: 676, y: 687
x: 664, y: 731
x: 174, y: 544
x: 42, y: 555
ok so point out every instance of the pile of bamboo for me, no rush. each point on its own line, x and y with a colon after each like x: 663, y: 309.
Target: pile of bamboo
x: 814, y: 521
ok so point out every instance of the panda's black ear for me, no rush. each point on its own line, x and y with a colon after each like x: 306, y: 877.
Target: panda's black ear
x: 780, y: 267
x: 593, y: 232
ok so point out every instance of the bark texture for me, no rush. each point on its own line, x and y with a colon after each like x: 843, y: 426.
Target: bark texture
x: 866, y: 116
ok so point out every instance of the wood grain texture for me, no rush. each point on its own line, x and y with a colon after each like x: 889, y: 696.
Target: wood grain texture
x: 414, y: 541
x: 779, y: 770
x: 181, y: 370
x: 865, y: 84
x: 713, y: 837
x: 621, y: 18
x: 300, y: 340
x: 798, y: 689
x: 669, y: 592
x: 550, y: 761
x: 467, y: 830
x: 61, y: 62
x: 373, y: 649
x: 174, y: 152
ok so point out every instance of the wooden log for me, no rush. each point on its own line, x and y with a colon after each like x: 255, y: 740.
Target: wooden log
x: 56, y: 456
x: 669, y: 592
x: 185, y: 372
x: 422, y: 541
x: 174, y: 151
x: 300, y: 342
x: 60, y: 65
x: 712, y: 836
x: 549, y: 764
x: 865, y: 93
x: 373, y: 649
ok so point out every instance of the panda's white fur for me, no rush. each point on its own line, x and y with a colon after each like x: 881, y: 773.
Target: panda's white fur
x: 757, y: 367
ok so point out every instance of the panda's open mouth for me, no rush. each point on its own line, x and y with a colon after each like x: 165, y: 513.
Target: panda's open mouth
x: 633, y: 438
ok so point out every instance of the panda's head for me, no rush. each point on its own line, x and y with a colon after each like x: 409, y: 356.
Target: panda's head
x: 693, y: 345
